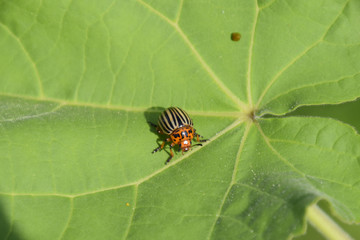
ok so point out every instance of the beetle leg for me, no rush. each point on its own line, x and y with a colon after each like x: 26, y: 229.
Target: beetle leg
x: 159, y: 148
x: 200, y: 140
x: 171, y: 153
x: 152, y: 124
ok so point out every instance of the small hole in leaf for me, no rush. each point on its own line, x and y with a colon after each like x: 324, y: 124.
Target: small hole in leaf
x: 235, y: 36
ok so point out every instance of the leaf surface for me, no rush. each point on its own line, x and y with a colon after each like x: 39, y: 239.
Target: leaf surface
x: 81, y: 79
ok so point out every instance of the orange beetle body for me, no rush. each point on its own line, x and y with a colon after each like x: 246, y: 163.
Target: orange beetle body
x: 176, y: 123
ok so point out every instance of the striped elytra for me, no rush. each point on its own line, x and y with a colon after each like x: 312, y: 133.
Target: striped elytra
x: 173, y: 118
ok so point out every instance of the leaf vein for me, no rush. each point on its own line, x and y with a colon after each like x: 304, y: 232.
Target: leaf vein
x: 28, y: 57
x: 267, y: 5
x: 284, y: 160
x: 76, y: 92
x: 251, y: 49
x: 330, y: 180
x: 260, y: 191
x: 313, y: 85
x: 151, y: 67
x: 232, y: 182
x: 132, y: 214
x: 23, y: 118
x: 178, y: 15
x: 69, y: 219
x: 121, y: 107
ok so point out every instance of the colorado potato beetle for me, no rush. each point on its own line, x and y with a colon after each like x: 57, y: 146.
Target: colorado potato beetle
x: 177, y: 124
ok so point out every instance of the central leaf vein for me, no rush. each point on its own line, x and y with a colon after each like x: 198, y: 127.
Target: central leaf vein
x: 251, y: 49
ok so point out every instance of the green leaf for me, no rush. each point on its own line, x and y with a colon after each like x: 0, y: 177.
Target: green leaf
x: 81, y: 79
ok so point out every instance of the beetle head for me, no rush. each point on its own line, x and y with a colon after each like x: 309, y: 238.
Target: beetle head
x: 185, y: 145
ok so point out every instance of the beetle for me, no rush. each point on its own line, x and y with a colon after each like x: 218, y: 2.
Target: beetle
x: 177, y: 124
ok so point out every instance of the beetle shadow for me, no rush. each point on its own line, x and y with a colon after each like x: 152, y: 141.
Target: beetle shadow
x: 152, y: 115
x: 7, y: 229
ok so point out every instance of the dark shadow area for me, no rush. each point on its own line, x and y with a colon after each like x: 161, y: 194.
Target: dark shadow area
x: 348, y: 112
x: 152, y: 115
x: 6, y: 230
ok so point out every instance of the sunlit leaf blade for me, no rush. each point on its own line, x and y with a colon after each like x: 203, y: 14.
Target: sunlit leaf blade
x: 306, y: 54
x: 285, y: 165
x: 80, y: 80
